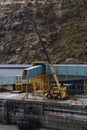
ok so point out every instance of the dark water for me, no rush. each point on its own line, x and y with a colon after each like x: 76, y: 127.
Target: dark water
x: 8, y: 127
x: 13, y: 127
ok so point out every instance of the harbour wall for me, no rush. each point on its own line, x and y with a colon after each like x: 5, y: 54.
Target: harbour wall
x: 51, y: 114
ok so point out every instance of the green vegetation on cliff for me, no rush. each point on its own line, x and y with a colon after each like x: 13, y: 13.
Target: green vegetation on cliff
x: 62, y: 23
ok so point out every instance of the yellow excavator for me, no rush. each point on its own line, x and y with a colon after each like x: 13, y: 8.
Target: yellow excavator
x: 59, y: 92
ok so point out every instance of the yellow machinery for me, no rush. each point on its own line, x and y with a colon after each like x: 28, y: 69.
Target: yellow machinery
x: 50, y: 91
x: 39, y: 82
x: 20, y: 86
x: 60, y: 92
x: 85, y: 86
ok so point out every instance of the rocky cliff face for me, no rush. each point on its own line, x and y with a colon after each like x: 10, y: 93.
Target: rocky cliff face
x: 62, y: 25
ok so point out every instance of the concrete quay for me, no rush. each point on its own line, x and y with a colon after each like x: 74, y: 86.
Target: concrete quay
x: 70, y: 114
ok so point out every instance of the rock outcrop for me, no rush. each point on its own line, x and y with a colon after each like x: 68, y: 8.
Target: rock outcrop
x: 61, y: 23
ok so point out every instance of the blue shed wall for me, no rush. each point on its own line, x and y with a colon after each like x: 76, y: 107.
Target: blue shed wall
x: 68, y: 72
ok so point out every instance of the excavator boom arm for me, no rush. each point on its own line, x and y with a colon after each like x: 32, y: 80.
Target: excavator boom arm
x: 41, y: 42
x: 55, y: 76
x: 46, y: 54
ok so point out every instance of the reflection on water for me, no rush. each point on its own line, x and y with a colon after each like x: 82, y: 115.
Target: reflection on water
x: 43, y: 129
x: 14, y: 127
x: 8, y: 127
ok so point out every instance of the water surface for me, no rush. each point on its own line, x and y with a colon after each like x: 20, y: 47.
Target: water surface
x: 14, y: 127
x: 8, y: 127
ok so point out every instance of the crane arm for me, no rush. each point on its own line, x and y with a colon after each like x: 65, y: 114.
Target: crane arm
x: 41, y: 42
x: 48, y: 59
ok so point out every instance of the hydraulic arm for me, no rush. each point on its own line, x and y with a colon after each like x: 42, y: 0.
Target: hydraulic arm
x: 59, y: 92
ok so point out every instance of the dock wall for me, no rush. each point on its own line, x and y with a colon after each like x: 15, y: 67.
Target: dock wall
x: 50, y: 114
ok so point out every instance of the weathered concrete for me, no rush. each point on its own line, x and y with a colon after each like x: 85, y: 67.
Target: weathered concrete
x: 68, y: 114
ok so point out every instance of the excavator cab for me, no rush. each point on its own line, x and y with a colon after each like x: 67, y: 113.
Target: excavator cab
x: 56, y: 93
